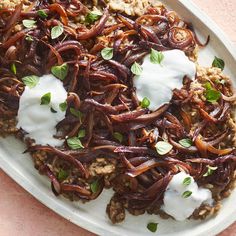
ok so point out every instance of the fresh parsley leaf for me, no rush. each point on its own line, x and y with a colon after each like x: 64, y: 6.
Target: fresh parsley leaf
x: 107, y: 53
x: 218, y: 62
x: 163, y: 147
x: 94, y: 186
x: 136, y: 69
x: 152, y: 227
x: 186, y: 142
x: 13, y: 68
x: 31, y: 81
x: 42, y: 14
x: 46, y: 99
x: 74, y: 143
x: 187, y: 181
x: 211, y: 94
x: 92, y: 16
x: 29, y: 23
x: 62, y: 175
x: 187, y: 194
x: 56, y: 31
x: 60, y: 71
x: 81, y: 133
x: 210, y: 170
x: 145, y: 103
x: 63, y: 106
x: 118, y: 136
x: 156, y: 57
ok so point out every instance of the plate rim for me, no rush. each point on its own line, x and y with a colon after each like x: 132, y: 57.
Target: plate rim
x: 98, y: 229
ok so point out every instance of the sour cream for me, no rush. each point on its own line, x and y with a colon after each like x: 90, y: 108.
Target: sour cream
x: 158, y: 80
x: 38, y: 120
x: 179, y: 207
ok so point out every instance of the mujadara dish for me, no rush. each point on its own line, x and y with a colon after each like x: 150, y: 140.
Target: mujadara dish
x: 109, y: 94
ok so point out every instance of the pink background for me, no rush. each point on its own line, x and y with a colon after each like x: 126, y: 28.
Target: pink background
x: 23, y: 215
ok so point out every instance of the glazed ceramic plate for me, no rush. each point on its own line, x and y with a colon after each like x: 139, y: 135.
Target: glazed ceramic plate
x: 92, y: 216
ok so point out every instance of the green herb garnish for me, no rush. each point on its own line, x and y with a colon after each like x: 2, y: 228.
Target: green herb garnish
x: 42, y: 14
x: 62, y: 175
x: 53, y: 110
x: 187, y: 194
x: 217, y: 62
x: 152, y: 227
x: 94, y: 186
x: 211, y: 94
x: 31, y: 81
x: 186, y: 142
x: 92, y: 16
x: 29, y: 23
x: 136, y: 69
x: 76, y: 113
x: 145, y: 103
x: 107, y: 53
x: 118, y: 136
x: 220, y: 81
x: 60, y: 71
x: 13, y: 68
x: 57, y: 31
x: 163, y: 147
x: 74, y: 143
x: 81, y: 133
x: 210, y: 170
x: 63, y: 106
x: 29, y: 38
x: 156, y: 57
x: 187, y: 181
x: 46, y: 99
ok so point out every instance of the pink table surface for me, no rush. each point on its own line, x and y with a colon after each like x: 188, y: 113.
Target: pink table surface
x: 22, y: 215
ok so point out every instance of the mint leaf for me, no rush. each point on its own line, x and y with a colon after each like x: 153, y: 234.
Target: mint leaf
x: 156, y: 57
x: 118, y: 136
x: 211, y: 94
x: 187, y: 194
x: 31, y: 81
x: 136, y: 69
x: 219, y: 63
x: 29, y: 23
x: 152, y: 227
x: 63, y: 106
x: 187, y: 181
x: 56, y: 31
x: 186, y: 142
x: 60, y: 71
x: 46, y: 99
x: 74, y: 143
x: 163, y: 147
x: 145, y: 103
x: 107, y: 53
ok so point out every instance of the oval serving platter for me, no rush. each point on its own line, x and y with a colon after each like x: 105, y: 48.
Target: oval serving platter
x: 92, y: 216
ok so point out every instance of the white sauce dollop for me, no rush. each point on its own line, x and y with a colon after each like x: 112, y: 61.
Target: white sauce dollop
x: 179, y: 207
x: 38, y: 120
x: 158, y: 80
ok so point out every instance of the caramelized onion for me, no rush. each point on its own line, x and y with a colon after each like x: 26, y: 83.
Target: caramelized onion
x: 180, y: 38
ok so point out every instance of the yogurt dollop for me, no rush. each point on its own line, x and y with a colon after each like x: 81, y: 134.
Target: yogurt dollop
x: 180, y: 207
x: 39, y: 121
x: 158, y: 80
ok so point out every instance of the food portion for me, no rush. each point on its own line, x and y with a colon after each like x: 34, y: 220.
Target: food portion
x: 41, y: 108
x: 182, y: 197
x: 108, y: 95
x: 161, y: 73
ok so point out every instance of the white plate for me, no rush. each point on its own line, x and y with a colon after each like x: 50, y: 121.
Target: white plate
x: 92, y: 215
